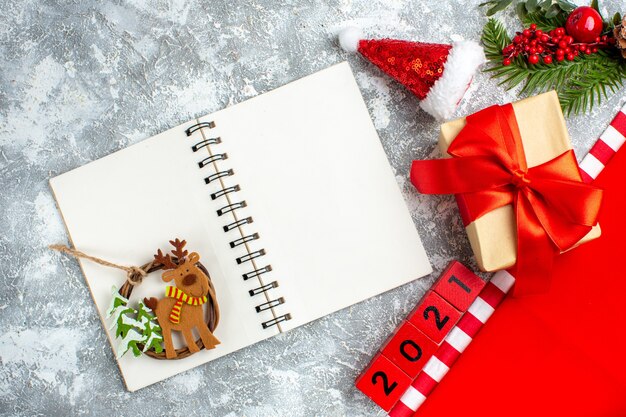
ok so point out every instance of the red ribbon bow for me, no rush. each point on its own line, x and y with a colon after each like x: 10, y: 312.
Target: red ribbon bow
x: 554, y: 209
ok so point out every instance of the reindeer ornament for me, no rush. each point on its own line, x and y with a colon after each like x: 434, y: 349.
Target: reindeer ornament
x: 182, y: 308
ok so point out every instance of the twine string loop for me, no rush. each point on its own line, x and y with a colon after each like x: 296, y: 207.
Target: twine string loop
x: 134, y: 274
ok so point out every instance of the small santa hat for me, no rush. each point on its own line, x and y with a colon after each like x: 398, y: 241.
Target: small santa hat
x: 437, y: 74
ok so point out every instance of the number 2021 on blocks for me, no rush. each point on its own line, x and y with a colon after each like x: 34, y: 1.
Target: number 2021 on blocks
x: 416, y: 339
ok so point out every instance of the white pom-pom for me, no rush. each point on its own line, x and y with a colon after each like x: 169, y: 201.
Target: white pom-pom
x: 349, y: 39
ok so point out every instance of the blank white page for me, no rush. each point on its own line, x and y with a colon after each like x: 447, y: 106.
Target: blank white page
x: 323, y: 197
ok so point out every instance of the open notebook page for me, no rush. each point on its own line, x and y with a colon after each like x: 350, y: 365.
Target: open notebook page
x: 316, y: 181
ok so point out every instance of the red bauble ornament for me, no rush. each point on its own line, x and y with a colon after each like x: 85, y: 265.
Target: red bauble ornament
x: 584, y: 24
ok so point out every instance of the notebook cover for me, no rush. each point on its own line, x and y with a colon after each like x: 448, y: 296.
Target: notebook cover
x: 560, y: 353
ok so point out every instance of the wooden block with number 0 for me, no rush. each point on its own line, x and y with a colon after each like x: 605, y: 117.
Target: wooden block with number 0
x: 409, y: 349
x: 434, y: 316
x: 383, y: 382
x: 459, y: 286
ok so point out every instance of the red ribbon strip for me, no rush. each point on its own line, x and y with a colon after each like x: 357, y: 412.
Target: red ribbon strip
x: 553, y: 208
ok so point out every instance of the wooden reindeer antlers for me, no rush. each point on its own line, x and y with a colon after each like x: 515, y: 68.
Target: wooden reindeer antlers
x: 166, y: 260
x: 178, y: 252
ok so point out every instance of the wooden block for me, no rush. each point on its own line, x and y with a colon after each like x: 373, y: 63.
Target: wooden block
x: 459, y: 286
x: 409, y: 349
x: 434, y: 316
x: 383, y: 382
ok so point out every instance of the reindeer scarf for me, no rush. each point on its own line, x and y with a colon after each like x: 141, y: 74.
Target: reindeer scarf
x: 181, y: 298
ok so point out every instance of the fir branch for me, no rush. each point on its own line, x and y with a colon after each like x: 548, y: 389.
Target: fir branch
x: 541, y: 77
x: 601, y: 77
x: 494, y: 39
x: 580, y: 83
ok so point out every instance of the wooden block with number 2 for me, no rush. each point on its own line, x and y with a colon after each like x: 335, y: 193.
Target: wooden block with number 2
x: 383, y: 382
x: 434, y: 316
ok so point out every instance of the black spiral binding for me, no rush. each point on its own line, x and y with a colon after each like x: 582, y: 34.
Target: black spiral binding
x: 250, y: 256
x: 245, y: 239
x: 257, y: 272
x: 205, y: 143
x: 277, y: 320
x: 270, y: 304
x: 223, y: 192
x: 199, y: 126
x: 232, y: 207
x: 238, y: 223
x: 263, y: 288
x: 218, y: 175
x: 211, y: 159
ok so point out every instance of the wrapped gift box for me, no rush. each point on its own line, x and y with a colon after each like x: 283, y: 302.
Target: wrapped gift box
x: 544, y: 136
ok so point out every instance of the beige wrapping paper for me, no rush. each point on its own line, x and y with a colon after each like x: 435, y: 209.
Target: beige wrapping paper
x: 493, y: 237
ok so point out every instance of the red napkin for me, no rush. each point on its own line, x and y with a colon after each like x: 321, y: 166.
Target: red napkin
x: 557, y: 354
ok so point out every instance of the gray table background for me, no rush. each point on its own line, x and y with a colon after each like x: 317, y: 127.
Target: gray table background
x: 81, y: 79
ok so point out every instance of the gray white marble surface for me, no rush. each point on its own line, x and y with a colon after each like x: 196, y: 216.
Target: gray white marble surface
x: 81, y: 79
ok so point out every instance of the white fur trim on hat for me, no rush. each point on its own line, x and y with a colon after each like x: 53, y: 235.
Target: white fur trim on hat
x: 349, y: 39
x: 463, y: 60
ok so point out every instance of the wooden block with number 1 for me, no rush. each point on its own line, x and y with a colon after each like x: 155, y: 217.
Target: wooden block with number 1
x: 459, y: 286
x: 383, y: 382
x: 434, y: 316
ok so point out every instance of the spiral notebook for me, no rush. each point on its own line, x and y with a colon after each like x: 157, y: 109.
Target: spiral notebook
x: 298, y: 174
